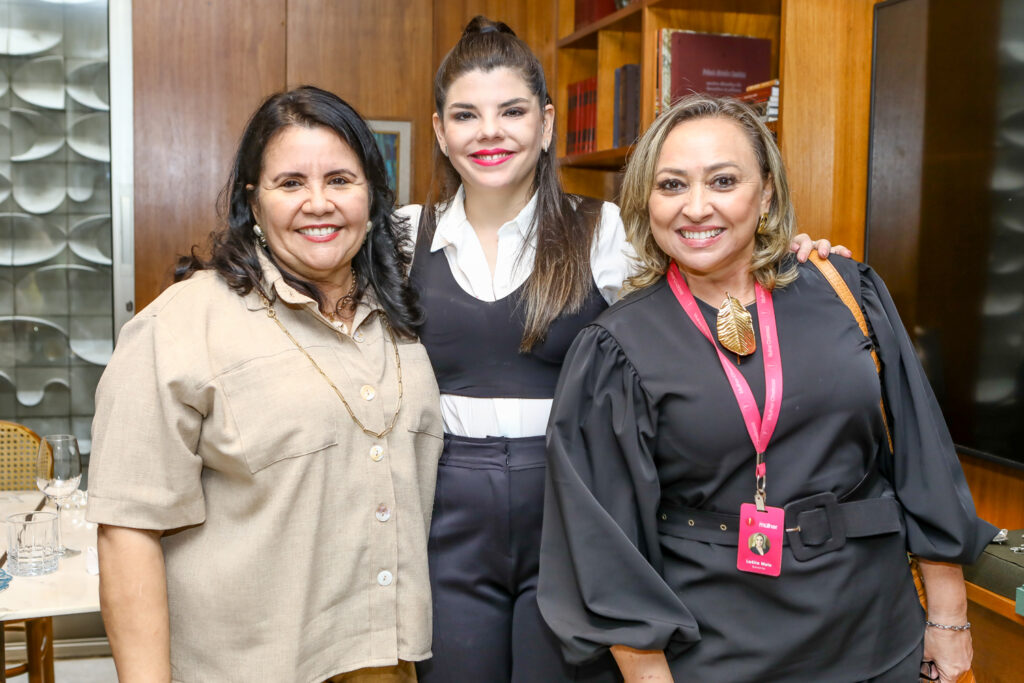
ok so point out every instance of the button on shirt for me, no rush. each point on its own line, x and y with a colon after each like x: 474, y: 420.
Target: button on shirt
x: 610, y: 263
x: 210, y: 421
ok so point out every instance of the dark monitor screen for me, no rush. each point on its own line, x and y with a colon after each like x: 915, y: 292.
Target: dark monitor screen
x: 946, y: 205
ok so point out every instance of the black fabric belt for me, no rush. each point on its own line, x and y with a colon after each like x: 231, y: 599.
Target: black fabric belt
x: 815, y: 525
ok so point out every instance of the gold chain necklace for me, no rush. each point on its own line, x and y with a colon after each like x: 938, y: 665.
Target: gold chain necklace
x: 347, y: 302
x: 272, y: 314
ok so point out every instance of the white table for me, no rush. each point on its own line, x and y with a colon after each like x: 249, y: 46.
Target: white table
x: 69, y: 590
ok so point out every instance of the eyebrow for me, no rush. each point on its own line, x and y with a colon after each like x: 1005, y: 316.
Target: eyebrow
x: 710, y: 169
x: 507, y: 103
x: 299, y: 174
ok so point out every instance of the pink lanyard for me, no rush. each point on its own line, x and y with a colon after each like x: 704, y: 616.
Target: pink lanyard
x: 760, y: 429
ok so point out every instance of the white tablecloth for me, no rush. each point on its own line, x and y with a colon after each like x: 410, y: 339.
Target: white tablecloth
x: 70, y: 589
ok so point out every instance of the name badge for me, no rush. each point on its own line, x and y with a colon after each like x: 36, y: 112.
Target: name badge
x: 760, y: 540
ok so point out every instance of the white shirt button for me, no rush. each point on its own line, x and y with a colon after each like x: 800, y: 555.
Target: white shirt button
x: 385, y: 578
x: 376, y: 453
x: 367, y: 392
x: 383, y: 513
x: 358, y: 336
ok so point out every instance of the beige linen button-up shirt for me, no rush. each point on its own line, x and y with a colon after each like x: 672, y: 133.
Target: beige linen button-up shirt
x: 299, y: 543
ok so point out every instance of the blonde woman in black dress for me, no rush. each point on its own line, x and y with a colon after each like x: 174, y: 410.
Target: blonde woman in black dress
x: 654, y: 477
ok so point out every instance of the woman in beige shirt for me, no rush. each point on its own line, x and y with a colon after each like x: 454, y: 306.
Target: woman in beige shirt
x: 267, y: 432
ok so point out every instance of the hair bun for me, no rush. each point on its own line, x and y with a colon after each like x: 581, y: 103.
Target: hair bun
x: 481, y: 24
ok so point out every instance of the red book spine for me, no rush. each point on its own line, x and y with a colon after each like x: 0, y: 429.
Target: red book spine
x: 577, y: 118
x: 573, y: 118
x: 580, y: 14
x: 592, y: 114
x: 602, y: 8
x: 585, y: 123
x: 759, y: 95
x: 570, y: 111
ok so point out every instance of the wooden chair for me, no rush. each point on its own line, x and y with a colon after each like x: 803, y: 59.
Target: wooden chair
x: 19, y: 448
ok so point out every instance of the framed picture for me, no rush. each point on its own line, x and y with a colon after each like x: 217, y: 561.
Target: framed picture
x: 394, y: 139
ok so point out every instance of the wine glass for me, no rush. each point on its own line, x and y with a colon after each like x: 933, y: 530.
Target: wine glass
x: 58, y: 473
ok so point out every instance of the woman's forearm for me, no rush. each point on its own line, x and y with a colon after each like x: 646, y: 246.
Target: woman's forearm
x: 947, y: 643
x: 133, y: 601
x: 649, y: 666
x: 945, y: 591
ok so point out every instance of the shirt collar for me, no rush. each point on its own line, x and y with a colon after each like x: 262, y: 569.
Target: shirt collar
x: 274, y: 281
x: 453, y: 226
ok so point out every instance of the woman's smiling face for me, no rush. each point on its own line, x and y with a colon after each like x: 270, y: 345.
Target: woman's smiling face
x: 494, y: 128
x: 313, y: 203
x: 707, y: 197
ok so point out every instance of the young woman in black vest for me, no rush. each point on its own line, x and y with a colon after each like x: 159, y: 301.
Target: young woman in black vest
x: 509, y: 268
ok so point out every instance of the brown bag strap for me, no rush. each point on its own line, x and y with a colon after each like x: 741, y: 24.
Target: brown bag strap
x: 846, y: 296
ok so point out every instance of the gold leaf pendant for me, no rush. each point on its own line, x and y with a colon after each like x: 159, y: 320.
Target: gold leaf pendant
x: 735, y: 327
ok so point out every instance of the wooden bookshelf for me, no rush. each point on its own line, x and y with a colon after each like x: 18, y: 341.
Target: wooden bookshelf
x: 630, y: 36
x: 821, y: 54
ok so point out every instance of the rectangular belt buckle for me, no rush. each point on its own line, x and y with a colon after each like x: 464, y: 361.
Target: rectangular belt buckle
x: 828, y: 505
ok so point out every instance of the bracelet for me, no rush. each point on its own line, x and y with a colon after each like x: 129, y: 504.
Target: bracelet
x: 947, y: 627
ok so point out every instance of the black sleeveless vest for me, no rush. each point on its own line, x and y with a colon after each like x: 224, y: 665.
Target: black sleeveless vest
x: 473, y: 345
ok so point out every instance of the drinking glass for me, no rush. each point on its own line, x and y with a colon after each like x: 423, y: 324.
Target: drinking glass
x: 58, y: 473
x: 32, y: 543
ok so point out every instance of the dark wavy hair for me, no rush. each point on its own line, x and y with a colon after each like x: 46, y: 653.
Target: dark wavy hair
x: 383, y: 260
x: 561, y: 277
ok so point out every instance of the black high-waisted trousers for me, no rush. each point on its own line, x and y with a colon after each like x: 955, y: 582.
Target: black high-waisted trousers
x: 484, y: 554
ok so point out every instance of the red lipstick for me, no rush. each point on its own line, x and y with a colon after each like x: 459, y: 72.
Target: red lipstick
x: 494, y: 156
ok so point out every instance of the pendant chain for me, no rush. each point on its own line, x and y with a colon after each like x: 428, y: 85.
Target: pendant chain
x: 272, y: 314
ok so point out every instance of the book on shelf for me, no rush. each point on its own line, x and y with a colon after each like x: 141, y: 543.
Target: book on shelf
x: 713, y: 63
x: 627, y: 105
x: 619, y: 108
x: 631, y: 130
x: 763, y: 98
x: 589, y: 11
x: 761, y: 92
x: 591, y: 122
x: 765, y: 84
x: 570, y: 118
x: 581, y: 116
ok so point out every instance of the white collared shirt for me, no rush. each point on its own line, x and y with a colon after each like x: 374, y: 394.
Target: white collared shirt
x: 610, y: 263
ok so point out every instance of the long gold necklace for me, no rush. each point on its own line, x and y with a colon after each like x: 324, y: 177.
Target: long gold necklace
x: 272, y: 314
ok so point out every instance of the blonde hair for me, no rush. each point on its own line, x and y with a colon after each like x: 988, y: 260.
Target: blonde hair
x: 770, y: 248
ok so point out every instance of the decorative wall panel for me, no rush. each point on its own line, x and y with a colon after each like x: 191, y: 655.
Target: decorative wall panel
x: 56, y: 279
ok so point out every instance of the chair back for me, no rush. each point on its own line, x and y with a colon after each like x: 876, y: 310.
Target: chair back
x: 19, y: 449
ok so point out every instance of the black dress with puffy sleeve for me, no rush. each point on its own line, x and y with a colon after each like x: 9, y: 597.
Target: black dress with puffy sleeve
x: 645, y: 425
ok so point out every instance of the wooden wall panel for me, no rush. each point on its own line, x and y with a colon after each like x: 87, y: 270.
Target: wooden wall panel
x: 998, y: 491
x: 200, y: 68
x: 375, y: 54
x: 532, y: 20
x: 826, y: 87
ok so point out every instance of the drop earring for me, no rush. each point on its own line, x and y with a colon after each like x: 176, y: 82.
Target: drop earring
x: 260, y: 237
x: 369, y: 226
x: 762, y: 224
